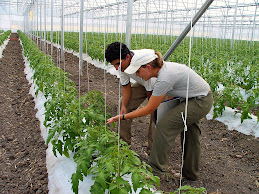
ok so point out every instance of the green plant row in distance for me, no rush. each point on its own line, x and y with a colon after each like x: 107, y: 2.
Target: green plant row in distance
x: 4, y: 36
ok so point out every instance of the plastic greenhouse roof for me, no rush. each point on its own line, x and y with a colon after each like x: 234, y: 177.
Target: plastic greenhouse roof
x: 246, y: 11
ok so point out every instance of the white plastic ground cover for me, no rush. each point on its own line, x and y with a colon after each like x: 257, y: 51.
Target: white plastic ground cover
x: 233, y: 119
x: 60, y: 168
x: 2, y: 47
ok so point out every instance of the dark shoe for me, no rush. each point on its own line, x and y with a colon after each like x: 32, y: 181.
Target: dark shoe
x: 190, y: 178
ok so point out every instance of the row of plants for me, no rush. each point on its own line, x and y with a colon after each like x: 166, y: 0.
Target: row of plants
x: 4, y: 36
x: 76, y: 128
x: 218, y: 61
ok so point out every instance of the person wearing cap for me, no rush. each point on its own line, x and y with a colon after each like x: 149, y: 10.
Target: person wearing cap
x: 174, y: 80
x: 133, y: 95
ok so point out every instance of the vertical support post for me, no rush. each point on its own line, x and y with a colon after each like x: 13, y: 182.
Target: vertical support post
x: 194, y: 28
x: 70, y: 30
x: 117, y: 20
x: 146, y: 20
x: 37, y: 22
x: 81, y: 36
x: 86, y: 34
x: 166, y: 21
x: 253, y: 30
x: 10, y: 15
x: 45, y: 26
x: 234, y: 26
x: 62, y: 31
x: 40, y: 24
x: 129, y: 23
x: 51, y: 36
x: 226, y: 26
x: 31, y: 19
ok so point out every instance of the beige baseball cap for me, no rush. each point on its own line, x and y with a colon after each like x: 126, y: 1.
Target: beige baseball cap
x: 140, y: 57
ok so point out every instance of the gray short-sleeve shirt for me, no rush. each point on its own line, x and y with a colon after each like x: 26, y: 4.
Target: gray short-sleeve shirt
x: 173, y: 78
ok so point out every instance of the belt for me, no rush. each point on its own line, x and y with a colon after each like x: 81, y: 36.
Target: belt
x: 201, y: 96
x: 195, y: 97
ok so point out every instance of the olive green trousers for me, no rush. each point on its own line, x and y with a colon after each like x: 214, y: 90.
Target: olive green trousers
x: 138, y: 96
x: 170, y: 126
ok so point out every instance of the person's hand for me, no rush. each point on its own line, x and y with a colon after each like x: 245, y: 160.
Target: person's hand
x: 113, y: 119
x: 123, y: 110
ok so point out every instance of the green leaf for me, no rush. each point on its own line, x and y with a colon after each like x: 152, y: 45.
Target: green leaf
x: 145, y: 191
x: 136, y: 181
x: 109, y: 165
x: 121, y: 181
x: 101, y: 179
x: 97, y: 189
x: 125, y: 169
x: 51, y: 134
x: 65, y: 152
x: 156, y: 179
x: 112, y: 187
x: 84, y: 166
x: 59, y: 147
x: 75, y: 183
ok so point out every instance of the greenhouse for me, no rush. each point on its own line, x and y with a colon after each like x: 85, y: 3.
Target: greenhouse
x: 61, y: 89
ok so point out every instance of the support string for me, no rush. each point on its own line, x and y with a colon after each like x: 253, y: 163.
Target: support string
x: 184, y: 117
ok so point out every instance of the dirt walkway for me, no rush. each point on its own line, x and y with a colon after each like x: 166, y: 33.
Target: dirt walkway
x: 22, y: 149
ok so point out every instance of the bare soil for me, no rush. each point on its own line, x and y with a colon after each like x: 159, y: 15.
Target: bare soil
x: 229, y: 163
x: 22, y: 149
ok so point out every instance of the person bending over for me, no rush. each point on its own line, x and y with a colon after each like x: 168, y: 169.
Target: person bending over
x: 133, y: 95
x: 172, y: 80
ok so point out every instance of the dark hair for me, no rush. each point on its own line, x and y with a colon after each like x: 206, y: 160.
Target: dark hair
x: 112, y: 51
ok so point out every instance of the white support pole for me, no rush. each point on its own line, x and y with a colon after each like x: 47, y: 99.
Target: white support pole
x: 234, y: 26
x: 166, y: 18
x: 146, y: 20
x: 253, y: 30
x: 117, y: 20
x: 9, y: 16
x: 81, y: 36
x: 129, y: 23
x: 45, y: 26
x: 226, y: 26
x: 62, y: 32
x: 193, y: 27
x: 51, y: 28
x: 37, y: 22
x: 40, y: 23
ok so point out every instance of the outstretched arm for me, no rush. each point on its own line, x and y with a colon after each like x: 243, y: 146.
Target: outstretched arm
x: 152, y: 105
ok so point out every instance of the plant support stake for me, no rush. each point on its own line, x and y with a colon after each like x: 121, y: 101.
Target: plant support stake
x: 81, y: 36
x: 187, y: 29
x: 129, y: 23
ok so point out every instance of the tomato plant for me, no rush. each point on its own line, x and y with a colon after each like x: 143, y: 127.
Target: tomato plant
x: 76, y: 127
